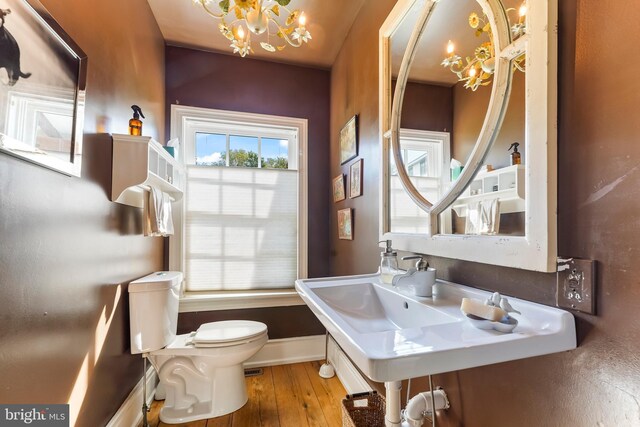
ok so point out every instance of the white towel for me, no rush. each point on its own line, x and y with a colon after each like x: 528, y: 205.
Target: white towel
x: 490, y: 217
x: 158, y: 218
x: 483, y: 217
x: 472, y: 221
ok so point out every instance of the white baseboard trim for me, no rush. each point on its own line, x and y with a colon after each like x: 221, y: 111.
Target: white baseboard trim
x: 288, y: 350
x: 305, y: 349
x: 348, y: 375
x: 130, y: 413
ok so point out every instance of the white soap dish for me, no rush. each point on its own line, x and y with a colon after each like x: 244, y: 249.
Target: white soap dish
x: 506, y: 325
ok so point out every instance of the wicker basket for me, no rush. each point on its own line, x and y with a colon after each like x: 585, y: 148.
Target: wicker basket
x: 363, y: 410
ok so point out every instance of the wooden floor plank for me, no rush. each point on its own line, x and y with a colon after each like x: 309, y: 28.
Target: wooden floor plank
x: 308, y: 402
x: 283, y: 396
x: 267, y: 401
x: 154, y: 415
x: 199, y: 423
x: 327, y: 392
x: 249, y: 414
x: 287, y: 399
x: 223, y: 421
x: 261, y: 409
x: 337, y: 389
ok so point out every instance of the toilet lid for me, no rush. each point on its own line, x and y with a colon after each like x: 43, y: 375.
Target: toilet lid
x: 227, y: 331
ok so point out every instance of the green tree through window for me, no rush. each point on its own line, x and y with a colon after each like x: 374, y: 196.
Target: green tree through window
x: 248, y: 159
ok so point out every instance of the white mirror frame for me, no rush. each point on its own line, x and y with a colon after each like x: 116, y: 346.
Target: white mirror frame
x: 537, y: 249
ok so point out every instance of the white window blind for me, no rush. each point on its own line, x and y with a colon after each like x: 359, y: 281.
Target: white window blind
x: 406, y: 216
x: 428, y: 167
x: 241, y: 228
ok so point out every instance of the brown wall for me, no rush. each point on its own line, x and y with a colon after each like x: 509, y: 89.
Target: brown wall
x: 282, y: 322
x: 427, y: 107
x: 599, y: 178
x: 66, y: 251
x: 468, y: 117
x: 354, y: 90
x: 211, y: 80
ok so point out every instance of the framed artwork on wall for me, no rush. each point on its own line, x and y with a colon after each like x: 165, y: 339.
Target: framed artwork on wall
x: 338, y: 189
x: 349, y: 140
x: 355, y: 179
x: 345, y: 224
x: 43, y: 76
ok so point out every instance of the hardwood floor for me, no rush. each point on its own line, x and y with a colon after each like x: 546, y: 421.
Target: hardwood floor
x: 283, y: 396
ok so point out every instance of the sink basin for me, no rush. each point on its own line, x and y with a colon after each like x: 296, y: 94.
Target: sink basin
x: 391, y: 335
x: 368, y: 308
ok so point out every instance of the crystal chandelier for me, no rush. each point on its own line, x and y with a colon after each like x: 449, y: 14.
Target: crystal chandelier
x: 282, y: 26
x: 480, y: 67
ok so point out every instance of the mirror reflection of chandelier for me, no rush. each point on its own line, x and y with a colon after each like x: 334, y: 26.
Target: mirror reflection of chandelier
x: 282, y: 26
x: 480, y: 67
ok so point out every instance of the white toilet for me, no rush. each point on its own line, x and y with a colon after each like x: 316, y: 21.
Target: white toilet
x: 200, y: 373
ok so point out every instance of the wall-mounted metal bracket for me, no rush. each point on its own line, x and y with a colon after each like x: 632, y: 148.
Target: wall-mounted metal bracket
x: 575, y: 284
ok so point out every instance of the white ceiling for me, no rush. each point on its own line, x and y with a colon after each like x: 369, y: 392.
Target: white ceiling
x: 449, y: 21
x: 184, y: 24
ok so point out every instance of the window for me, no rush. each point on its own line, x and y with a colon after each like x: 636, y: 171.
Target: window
x: 245, y: 208
x: 426, y: 157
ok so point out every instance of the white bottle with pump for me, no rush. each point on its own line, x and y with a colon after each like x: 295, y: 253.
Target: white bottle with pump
x: 388, y: 263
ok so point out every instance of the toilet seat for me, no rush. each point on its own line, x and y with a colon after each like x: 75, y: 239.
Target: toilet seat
x: 227, y: 332
x: 212, y: 336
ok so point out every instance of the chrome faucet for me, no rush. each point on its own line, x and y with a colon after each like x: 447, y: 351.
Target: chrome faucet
x: 422, y: 277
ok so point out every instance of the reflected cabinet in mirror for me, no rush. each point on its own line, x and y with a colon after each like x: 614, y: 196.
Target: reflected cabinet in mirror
x: 467, y: 115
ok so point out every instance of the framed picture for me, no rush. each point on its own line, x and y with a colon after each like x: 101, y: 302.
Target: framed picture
x: 345, y: 225
x: 349, y: 140
x: 42, y: 88
x: 338, y: 189
x: 355, y: 179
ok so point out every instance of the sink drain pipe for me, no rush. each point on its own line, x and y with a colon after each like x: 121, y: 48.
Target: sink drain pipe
x: 421, y: 405
x: 417, y: 408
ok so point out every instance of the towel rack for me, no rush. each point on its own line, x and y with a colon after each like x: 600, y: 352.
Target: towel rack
x: 139, y: 163
x: 148, y: 188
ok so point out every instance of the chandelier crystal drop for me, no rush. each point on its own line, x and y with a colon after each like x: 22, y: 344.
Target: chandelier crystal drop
x: 265, y: 18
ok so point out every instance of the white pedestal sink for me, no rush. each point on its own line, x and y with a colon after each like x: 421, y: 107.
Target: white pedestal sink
x: 391, y: 335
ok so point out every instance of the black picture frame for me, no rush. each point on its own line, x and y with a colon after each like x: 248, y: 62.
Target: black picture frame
x: 44, y: 73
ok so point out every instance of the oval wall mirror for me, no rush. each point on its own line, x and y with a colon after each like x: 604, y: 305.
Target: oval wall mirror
x: 457, y: 99
x: 457, y: 91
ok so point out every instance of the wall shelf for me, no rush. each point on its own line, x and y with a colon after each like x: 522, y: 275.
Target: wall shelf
x: 510, y: 190
x: 139, y: 163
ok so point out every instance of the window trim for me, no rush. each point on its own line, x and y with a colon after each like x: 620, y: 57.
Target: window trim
x: 183, y: 119
x: 236, y: 300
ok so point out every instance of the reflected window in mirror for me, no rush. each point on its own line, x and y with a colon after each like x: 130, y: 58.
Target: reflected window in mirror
x: 426, y: 159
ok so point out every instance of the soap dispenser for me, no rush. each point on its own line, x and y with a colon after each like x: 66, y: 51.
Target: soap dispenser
x: 135, y: 124
x: 388, y: 263
x: 515, y: 156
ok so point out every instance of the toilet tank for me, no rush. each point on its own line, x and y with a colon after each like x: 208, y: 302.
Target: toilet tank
x: 153, y: 310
